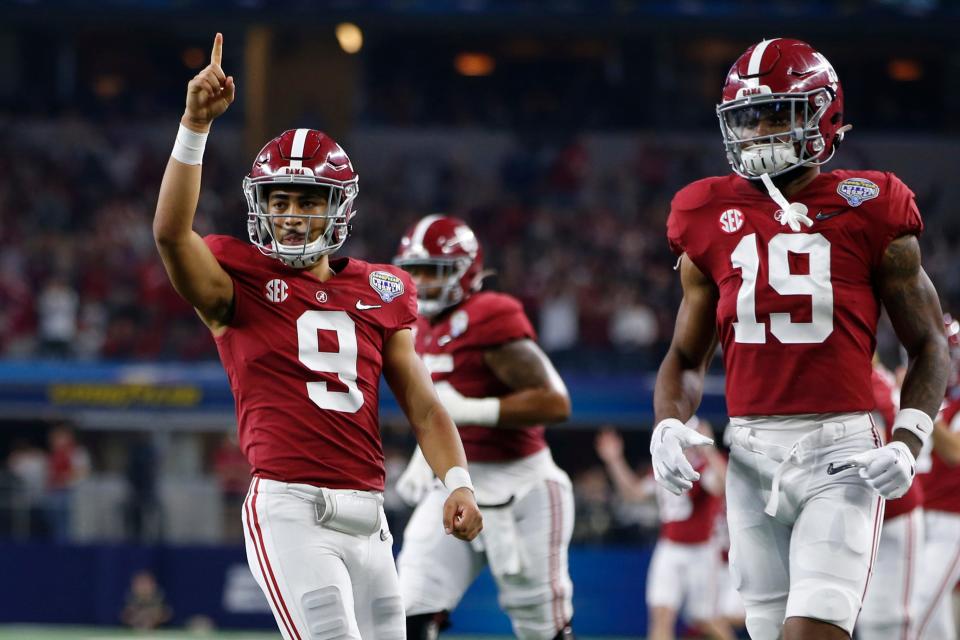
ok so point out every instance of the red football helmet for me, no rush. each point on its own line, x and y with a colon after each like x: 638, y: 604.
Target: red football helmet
x: 780, y: 81
x: 448, y: 245
x: 952, y: 328
x: 301, y: 157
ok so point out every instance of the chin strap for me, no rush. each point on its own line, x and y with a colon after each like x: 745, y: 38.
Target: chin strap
x: 791, y: 214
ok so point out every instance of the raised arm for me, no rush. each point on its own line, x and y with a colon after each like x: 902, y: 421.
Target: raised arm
x: 679, y: 386
x: 435, y: 431
x: 911, y: 301
x: 191, y: 266
x: 539, y: 394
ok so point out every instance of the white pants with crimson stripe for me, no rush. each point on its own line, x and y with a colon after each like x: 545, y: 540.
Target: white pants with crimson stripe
x: 321, y: 584
x: 530, y: 568
x: 889, y: 609
x: 813, y: 557
x: 940, y: 570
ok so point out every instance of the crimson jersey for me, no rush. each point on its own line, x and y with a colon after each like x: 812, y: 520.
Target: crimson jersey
x: 691, y: 517
x: 884, y: 393
x: 941, y: 487
x: 797, y: 312
x: 452, y: 348
x: 304, y: 358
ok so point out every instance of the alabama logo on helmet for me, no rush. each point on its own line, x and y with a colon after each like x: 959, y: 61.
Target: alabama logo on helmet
x: 388, y: 286
x: 856, y: 191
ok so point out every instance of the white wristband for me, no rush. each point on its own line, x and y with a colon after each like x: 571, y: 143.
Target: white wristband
x: 189, y: 146
x: 915, y: 421
x: 456, y: 478
x: 483, y: 412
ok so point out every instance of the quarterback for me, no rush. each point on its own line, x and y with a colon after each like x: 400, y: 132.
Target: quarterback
x: 501, y: 389
x: 304, y: 339
x: 787, y: 267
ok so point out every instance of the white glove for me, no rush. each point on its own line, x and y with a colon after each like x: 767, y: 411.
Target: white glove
x: 888, y: 470
x: 416, y: 480
x: 670, y: 467
x: 483, y: 412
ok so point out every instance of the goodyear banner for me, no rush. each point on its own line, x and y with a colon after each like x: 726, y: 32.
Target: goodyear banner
x: 197, y: 396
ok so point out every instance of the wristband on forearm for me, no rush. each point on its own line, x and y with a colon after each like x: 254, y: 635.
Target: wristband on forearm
x: 189, y: 146
x: 483, y: 412
x: 457, y: 478
x: 915, y: 421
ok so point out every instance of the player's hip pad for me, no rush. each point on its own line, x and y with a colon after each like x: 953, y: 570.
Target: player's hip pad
x: 352, y: 512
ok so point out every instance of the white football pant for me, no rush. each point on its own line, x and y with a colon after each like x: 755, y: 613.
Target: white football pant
x: 525, y: 542
x: 940, y: 570
x: 812, y: 557
x: 889, y: 608
x: 687, y: 576
x: 321, y: 584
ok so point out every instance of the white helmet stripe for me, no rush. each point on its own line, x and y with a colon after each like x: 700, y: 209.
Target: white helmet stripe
x: 756, y: 57
x: 296, y: 150
x: 416, y: 238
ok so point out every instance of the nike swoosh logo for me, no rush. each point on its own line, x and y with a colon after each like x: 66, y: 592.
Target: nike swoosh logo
x: 366, y: 307
x: 830, y: 214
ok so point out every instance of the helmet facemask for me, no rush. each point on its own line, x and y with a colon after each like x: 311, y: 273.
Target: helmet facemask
x: 800, y: 143
x: 262, y: 225
x: 445, y: 289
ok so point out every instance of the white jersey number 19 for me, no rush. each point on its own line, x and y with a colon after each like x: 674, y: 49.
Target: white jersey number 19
x: 815, y: 284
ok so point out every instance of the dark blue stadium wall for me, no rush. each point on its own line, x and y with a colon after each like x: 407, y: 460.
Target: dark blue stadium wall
x: 45, y: 583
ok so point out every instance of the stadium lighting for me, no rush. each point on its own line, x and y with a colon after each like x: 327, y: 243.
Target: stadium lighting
x: 474, y: 64
x: 350, y: 37
x: 905, y: 70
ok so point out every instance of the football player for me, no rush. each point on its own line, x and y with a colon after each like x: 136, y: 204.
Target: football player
x: 940, y: 565
x: 889, y: 606
x: 501, y: 389
x: 685, y: 570
x: 303, y: 339
x: 787, y: 267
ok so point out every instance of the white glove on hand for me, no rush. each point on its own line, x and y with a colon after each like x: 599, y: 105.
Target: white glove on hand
x: 888, y: 470
x: 416, y: 480
x: 670, y: 467
x: 483, y: 412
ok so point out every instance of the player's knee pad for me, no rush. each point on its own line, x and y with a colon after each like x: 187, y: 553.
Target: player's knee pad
x: 427, y: 626
x: 388, y: 618
x: 831, y: 603
x: 765, y: 621
x: 325, y: 614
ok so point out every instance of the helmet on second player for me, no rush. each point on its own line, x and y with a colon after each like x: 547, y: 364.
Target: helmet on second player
x: 786, y: 81
x: 301, y: 157
x: 448, y: 245
x: 952, y: 327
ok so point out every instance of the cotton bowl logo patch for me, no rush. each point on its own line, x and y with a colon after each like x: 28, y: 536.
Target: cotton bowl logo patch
x: 856, y: 191
x: 731, y: 220
x: 388, y: 286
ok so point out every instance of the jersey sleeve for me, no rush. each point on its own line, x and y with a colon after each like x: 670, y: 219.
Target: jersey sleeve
x: 503, y: 320
x: 901, y: 216
x: 406, y: 312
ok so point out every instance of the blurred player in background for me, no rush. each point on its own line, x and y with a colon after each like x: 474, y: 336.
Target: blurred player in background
x: 686, y: 564
x: 787, y: 268
x: 303, y: 339
x: 889, y: 606
x: 940, y: 566
x: 501, y: 389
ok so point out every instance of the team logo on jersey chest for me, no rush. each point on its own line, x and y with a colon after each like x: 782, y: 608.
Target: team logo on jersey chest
x: 322, y: 297
x: 388, y: 286
x: 276, y: 290
x: 856, y: 191
x: 731, y: 220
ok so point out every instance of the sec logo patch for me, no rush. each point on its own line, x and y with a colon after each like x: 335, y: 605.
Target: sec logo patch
x: 731, y: 220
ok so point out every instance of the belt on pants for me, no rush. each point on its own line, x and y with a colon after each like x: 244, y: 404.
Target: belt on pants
x: 799, y: 453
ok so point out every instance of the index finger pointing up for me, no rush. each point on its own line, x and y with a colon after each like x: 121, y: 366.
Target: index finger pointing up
x: 217, y: 54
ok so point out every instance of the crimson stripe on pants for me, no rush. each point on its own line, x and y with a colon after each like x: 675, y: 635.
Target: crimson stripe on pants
x: 267, y: 571
x: 556, y: 526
